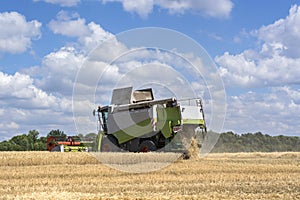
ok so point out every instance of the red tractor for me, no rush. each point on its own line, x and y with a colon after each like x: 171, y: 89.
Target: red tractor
x: 71, y: 143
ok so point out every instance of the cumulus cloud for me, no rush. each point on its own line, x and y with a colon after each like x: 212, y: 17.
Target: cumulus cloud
x: 18, y: 33
x: 283, y: 36
x: 24, y: 106
x: 270, y: 73
x: 65, y: 26
x: 18, y: 120
x: 70, y: 24
x: 59, y: 70
x: 274, y: 112
x: 63, y: 3
x: 276, y: 63
x: 57, y: 74
x: 40, y: 97
x: 213, y: 8
x: 243, y: 71
x: 20, y: 90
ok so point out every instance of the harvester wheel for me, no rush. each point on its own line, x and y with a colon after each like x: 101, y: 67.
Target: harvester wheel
x: 147, y: 145
x: 109, y: 144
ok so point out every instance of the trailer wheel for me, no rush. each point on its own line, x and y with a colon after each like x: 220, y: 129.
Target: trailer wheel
x: 51, y: 143
x: 147, y: 145
x: 55, y: 149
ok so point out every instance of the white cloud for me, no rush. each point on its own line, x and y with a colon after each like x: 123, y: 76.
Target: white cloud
x: 24, y: 106
x: 96, y: 36
x: 20, y: 120
x: 70, y: 24
x: 18, y: 33
x: 51, y: 85
x: 283, y: 36
x: 72, y: 28
x: 11, y: 125
x: 275, y: 64
x: 293, y: 94
x: 57, y: 74
x: 243, y: 71
x: 272, y: 72
x: 20, y: 90
x: 213, y: 8
x: 274, y: 112
x: 58, y: 71
x: 64, y: 3
x: 142, y: 7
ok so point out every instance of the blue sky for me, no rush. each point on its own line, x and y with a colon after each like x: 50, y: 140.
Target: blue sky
x: 254, y: 44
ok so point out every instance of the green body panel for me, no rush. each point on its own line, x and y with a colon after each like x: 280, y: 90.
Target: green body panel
x: 166, y: 119
x: 100, y: 138
x: 137, y: 130
x: 193, y: 121
x: 74, y: 148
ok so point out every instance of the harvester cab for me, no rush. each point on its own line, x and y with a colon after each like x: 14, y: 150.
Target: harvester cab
x: 136, y: 122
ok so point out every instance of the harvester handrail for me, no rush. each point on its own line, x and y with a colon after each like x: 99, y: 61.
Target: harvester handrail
x: 187, y: 99
x: 144, y: 103
x: 190, y: 99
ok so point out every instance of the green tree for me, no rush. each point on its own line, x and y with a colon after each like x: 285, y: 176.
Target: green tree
x: 20, y: 142
x: 249, y: 142
x: 32, y: 139
x: 39, y: 146
x: 43, y: 139
x: 6, y: 146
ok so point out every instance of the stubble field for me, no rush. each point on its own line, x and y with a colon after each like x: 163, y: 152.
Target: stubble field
x: 45, y: 175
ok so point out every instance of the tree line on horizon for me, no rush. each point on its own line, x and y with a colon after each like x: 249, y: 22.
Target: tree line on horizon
x: 227, y: 142
x: 29, y: 142
x: 256, y: 142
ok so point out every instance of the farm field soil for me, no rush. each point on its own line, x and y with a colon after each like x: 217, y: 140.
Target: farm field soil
x: 45, y: 175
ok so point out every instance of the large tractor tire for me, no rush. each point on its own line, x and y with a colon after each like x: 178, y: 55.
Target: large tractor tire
x: 147, y: 145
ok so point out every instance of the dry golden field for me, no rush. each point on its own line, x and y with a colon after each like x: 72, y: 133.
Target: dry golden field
x: 45, y: 175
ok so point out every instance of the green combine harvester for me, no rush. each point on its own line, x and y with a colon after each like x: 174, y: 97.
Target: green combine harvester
x: 135, y: 122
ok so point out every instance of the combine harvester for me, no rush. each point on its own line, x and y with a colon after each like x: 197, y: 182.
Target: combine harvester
x: 135, y: 122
